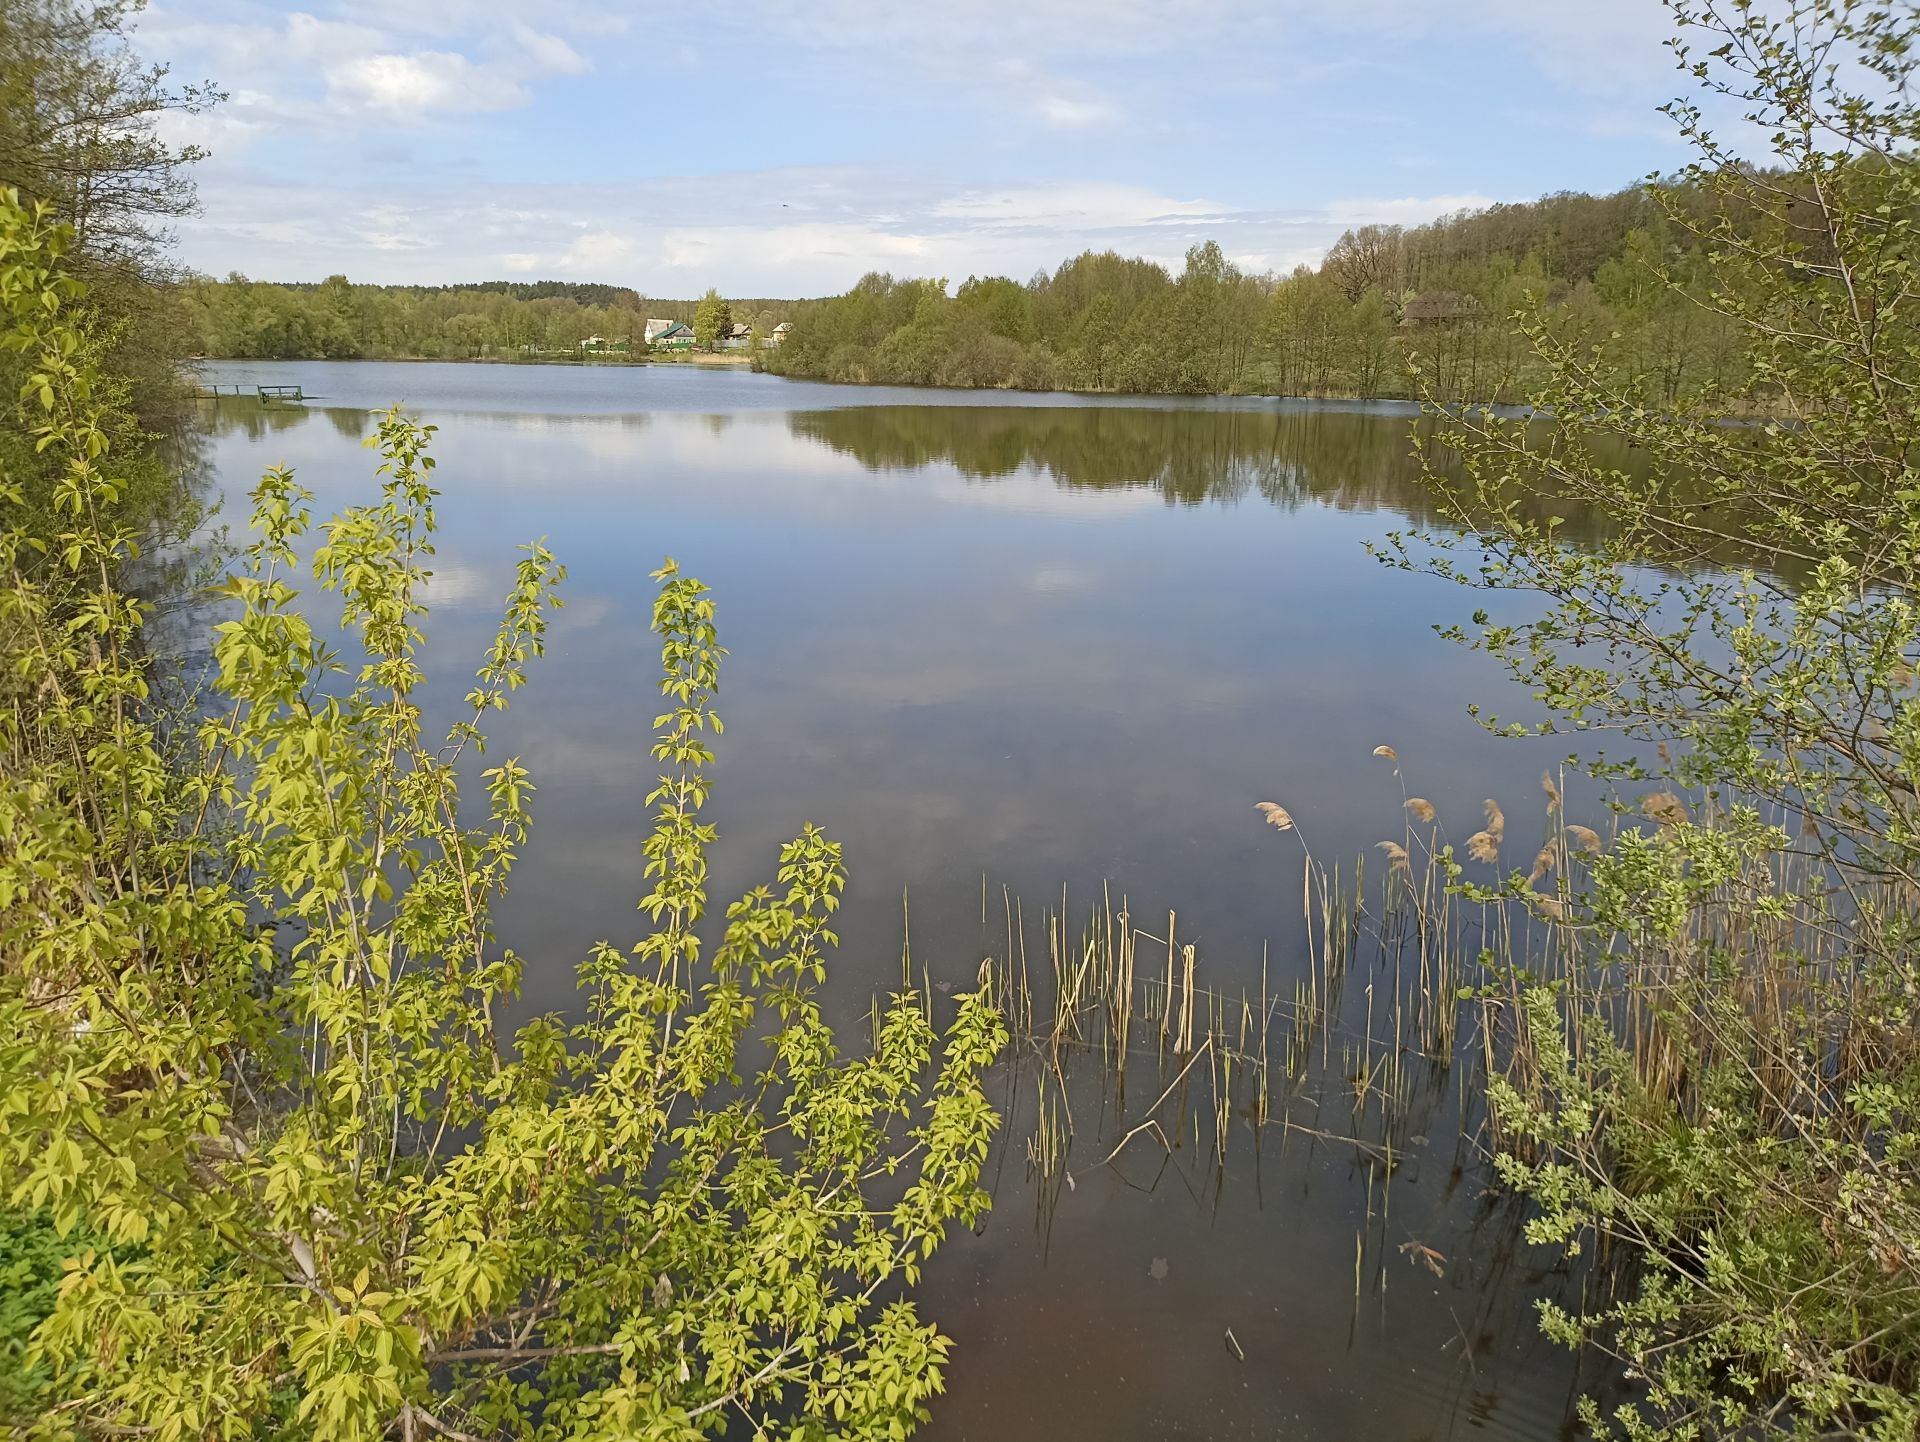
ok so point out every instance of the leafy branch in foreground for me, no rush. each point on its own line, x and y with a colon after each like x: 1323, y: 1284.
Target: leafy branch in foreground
x: 1714, y: 1069
x: 252, y: 1060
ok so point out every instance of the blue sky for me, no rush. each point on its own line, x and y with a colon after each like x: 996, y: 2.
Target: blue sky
x: 780, y: 147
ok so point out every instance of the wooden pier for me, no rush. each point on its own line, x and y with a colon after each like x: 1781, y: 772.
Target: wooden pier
x: 234, y: 391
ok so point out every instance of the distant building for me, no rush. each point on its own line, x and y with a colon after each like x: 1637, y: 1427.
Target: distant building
x: 676, y: 336
x: 736, y: 337
x: 594, y: 342
x: 780, y: 332
x: 657, y: 328
x: 1435, y: 307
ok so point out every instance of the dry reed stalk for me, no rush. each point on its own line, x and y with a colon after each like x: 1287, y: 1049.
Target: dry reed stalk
x: 1186, y: 1001
x: 1166, y: 1011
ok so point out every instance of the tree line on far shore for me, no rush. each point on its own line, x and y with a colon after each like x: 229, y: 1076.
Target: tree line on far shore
x: 338, y: 319
x: 1444, y: 292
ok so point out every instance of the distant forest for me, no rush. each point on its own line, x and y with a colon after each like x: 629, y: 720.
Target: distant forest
x: 1446, y: 291
x: 335, y: 319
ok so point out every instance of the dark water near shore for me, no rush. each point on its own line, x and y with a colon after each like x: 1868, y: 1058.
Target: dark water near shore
x: 1044, y: 642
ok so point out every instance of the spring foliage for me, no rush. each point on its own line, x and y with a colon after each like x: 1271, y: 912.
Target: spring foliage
x: 1711, y: 1076
x: 256, y: 1082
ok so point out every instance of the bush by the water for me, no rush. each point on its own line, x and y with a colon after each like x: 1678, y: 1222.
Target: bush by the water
x: 272, y: 1161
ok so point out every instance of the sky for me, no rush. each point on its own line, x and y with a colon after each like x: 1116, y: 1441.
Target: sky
x: 787, y: 147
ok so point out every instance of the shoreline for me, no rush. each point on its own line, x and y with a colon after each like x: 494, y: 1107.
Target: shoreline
x: 609, y: 361
x: 742, y: 362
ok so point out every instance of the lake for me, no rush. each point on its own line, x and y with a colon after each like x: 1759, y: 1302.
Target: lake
x: 998, y: 645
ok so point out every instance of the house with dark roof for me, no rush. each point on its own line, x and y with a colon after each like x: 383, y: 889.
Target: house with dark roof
x: 1437, y: 307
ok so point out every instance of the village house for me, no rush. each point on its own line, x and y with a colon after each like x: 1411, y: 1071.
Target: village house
x: 1437, y: 307
x: 676, y: 336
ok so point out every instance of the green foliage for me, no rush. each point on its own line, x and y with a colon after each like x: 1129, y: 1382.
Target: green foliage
x: 32, y: 1259
x: 255, y: 1072
x: 336, y: 319
x: 711, y: 319
x: 1717, y: 1075
x: 1104, y: 323
x: 81, y: 131
x: 1445, y: 291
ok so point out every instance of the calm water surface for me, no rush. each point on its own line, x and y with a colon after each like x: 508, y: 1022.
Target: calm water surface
x: 1041, y: 641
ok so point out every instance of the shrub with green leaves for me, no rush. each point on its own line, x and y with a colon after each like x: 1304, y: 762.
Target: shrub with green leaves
x: 1712, y: 1067
x: 255, y: 1072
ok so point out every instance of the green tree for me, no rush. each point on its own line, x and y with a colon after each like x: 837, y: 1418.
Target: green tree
x: 78, y: 126
x: 711, y: 319
x: 253, y: 1067
x: 1710, y: 1073
x: 80, y: 131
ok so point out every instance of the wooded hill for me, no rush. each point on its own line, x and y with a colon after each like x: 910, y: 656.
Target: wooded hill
x: 1102, y: 322
x: 1446, y: 291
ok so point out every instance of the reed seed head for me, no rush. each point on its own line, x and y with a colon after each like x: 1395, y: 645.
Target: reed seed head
x: 1277, y: 815
x: 1484, y: 846
x: 1421, y: 808
x: 1496, y: 819
x: 1396, y: 854
x: 1553, y: 791
x: 1664, y: 808
x: 1386, y: 751
x: 1586, y: 838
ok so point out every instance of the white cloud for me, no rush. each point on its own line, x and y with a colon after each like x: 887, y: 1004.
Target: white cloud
x: 404, y: 94
x: 1591, y: 47
x: 1062, y: 102
x: 1403, y: 210
x: 1087, y: 205
x: 370, y: 65
x: 726, y: 232
x: 549, y: 54
x: 1066, y: 113
x: 413, y: 85
x: 597, y: 252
